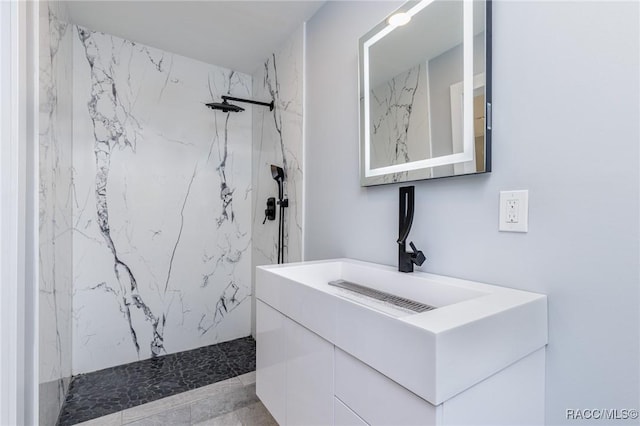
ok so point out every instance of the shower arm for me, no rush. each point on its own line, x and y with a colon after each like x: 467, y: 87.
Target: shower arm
x: 249, y: 101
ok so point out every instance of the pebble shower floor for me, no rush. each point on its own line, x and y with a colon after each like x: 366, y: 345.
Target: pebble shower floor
x: 117, y: 388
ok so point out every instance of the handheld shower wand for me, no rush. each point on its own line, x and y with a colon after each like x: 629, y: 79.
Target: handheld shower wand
x: 277, y: 173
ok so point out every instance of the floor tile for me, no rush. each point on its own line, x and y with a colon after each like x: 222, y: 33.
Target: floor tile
x: 180, y: 416
x: 114, y: 419
x: 255, y: 414
x: 241, y: 354
x: 184, y: 398
x: 229, y: 419
x: 119, y: 388
x: 248, y: 378
x: 222, y: 403
x: 252, y: 415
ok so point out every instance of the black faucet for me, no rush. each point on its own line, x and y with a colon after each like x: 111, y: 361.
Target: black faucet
x: 405, y: 219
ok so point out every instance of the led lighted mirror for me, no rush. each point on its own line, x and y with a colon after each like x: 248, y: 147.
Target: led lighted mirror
x: 425, y: 93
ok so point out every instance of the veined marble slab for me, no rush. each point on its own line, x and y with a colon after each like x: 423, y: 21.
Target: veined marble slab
x: 162, y: 203
x: 55, y: 208
x: 277, y: 139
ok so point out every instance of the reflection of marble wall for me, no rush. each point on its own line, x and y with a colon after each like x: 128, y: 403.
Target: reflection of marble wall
x: 277, y: 139
x: 411, y: 114
x: 55, y: 260
x: 162, y: 205
x: 399, y: 128
x: 399, y: 119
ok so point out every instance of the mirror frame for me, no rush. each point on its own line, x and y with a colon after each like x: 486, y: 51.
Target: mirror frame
x: 369, y: 176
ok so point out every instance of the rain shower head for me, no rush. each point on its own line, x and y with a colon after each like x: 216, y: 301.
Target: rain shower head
x: 225, y: 106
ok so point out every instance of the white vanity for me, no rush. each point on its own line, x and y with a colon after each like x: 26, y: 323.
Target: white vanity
x: 327, y: 355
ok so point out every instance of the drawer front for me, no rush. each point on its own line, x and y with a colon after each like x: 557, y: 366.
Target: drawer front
x: 377, y: 399
x: 344, y: 416
x: 309, y: 385
x: 271, y: 357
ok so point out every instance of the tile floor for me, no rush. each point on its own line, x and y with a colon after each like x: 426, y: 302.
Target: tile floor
x: 116, y: 390
x: 227, y: 403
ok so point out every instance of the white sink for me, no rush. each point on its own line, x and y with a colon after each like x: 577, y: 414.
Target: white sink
x: 475, y: 331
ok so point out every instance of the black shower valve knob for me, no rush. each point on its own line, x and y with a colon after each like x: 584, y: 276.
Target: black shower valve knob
x: 270, y: 211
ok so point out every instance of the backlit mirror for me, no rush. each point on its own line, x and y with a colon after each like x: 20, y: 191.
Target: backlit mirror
x: 425, y: 93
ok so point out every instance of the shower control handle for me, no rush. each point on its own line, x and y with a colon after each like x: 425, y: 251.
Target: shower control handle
x: 270, y: 211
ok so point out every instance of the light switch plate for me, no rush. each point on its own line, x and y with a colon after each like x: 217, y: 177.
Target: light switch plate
x: 514, y: 211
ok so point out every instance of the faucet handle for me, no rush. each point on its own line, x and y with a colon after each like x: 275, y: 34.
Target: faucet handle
x: 417, y: 257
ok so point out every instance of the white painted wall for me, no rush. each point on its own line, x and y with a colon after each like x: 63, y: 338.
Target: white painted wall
x: 566, y: 108
x: 18, y: 212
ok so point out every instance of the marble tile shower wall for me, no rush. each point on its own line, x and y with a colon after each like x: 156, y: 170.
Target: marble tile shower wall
x: 162, y: 203
x: 55, y: 208
x: 277, y: 139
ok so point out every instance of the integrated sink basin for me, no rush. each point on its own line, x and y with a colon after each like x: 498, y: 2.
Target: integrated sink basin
x: 474, y: 331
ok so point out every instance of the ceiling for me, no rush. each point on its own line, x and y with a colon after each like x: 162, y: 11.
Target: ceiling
x: 238, y: 35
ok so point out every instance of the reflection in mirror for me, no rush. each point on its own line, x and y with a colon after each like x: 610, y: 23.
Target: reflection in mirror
x: 416, y: 122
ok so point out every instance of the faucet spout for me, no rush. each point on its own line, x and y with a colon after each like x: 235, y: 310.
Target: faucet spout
x: 406, y: 260
x: 407, y: 202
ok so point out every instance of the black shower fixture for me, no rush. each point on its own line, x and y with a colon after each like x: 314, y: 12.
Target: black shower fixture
x: 225, y: 106
x: 277, y: 173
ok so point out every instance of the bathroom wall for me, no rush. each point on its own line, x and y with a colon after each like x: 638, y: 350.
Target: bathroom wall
x: 162, y: 203
x: 55, y: 204
x: 277, y: 139
x: 566, y: 107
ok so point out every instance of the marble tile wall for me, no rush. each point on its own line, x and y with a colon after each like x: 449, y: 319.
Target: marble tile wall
x: 162, y: 203
x: 55, y: 208
x: 278, y: 139
x: 400, y: 122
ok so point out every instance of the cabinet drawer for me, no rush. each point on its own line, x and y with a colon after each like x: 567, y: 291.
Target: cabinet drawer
x: 343, y: 416
x: 309, y: 381
x: 271, y: 358
x: 377, y: 399
x: 294, y: 370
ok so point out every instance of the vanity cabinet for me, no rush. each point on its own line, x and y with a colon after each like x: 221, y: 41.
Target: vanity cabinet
x: 270, y: 363
x: 325, y: 357
x: 294, y: 370
x: 344, y: 416
x: 303, y: 379
x: 375, y: 398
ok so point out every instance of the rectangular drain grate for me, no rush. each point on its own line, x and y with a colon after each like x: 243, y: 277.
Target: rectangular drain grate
x: 382, y: 296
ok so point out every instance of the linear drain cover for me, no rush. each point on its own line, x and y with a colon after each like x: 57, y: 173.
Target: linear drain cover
x: 401, y: 302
